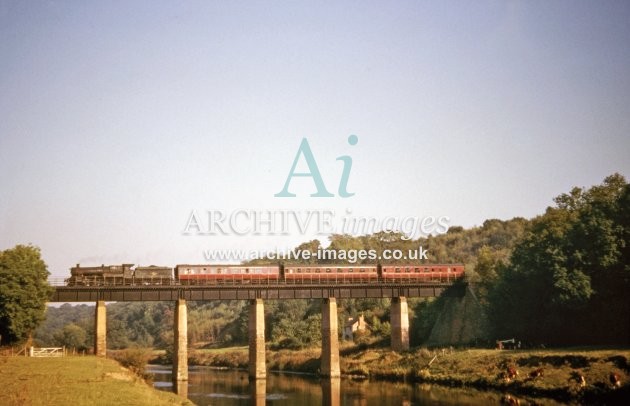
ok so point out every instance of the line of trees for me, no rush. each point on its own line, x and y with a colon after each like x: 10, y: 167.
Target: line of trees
x: 560, y: 278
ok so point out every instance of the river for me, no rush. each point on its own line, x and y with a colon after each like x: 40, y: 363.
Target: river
x: 209, y: 386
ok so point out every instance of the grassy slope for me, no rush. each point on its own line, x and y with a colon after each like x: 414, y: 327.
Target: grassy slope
x: 75, y: 381
x: 483, y: 368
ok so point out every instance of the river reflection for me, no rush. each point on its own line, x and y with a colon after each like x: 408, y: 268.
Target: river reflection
x: 181, y: 388
x: 331, y: 392
x: 258, y: 392
x: 207, y: 386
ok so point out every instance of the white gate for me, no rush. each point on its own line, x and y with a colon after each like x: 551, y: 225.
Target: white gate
x: 47, y: 352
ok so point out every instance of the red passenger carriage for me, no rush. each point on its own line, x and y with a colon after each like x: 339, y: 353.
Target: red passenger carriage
x: 330, y: 273
x: 221, y: 274
x: 422, y: 273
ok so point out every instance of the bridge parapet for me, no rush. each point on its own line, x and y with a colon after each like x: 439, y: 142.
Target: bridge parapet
x: 249, y: 292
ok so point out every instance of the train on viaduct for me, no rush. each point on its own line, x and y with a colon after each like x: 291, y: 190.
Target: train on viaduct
x: 256, y: 283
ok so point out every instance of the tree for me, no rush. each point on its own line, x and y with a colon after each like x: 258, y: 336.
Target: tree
x: 24, y: 291
x: 568, y: 278
x: 72, y: 336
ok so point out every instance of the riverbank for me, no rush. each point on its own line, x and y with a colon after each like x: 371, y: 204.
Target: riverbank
x: 75, y: 381
x: 552, y: 373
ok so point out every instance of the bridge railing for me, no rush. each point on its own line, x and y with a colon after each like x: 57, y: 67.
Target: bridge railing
x: 57, y: 281
x: 257, y: 280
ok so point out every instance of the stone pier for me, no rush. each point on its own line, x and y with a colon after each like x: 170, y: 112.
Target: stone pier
x: 330, y: 339
x: 399, y: 319
x: 100, y: 330
x: 257, y: 365
x: 180, y: 353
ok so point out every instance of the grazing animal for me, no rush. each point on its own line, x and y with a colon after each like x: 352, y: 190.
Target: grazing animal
x: 509, y: 400
x: 537, y: 373
x: 582, y: 381
x: 615, y: 380
x: 503, y: 376
x: 579, y: 378
x: 512, y: 372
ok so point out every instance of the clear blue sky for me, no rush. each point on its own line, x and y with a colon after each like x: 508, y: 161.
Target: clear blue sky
x: 119, y: 118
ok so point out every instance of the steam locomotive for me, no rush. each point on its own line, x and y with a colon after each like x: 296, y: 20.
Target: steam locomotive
x: 125, y: 274
x: 211, y: 274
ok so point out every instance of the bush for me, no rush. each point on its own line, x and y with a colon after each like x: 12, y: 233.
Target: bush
x: 425, y: 353
x: 135, y: 359
x: 362, y: 337
x: 290, y: 343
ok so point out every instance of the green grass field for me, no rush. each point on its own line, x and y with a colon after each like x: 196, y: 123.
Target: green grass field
x: 75, y: 381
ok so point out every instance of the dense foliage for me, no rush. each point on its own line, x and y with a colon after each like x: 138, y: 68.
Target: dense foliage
x: 568, y: 279
x: 24, y: 291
